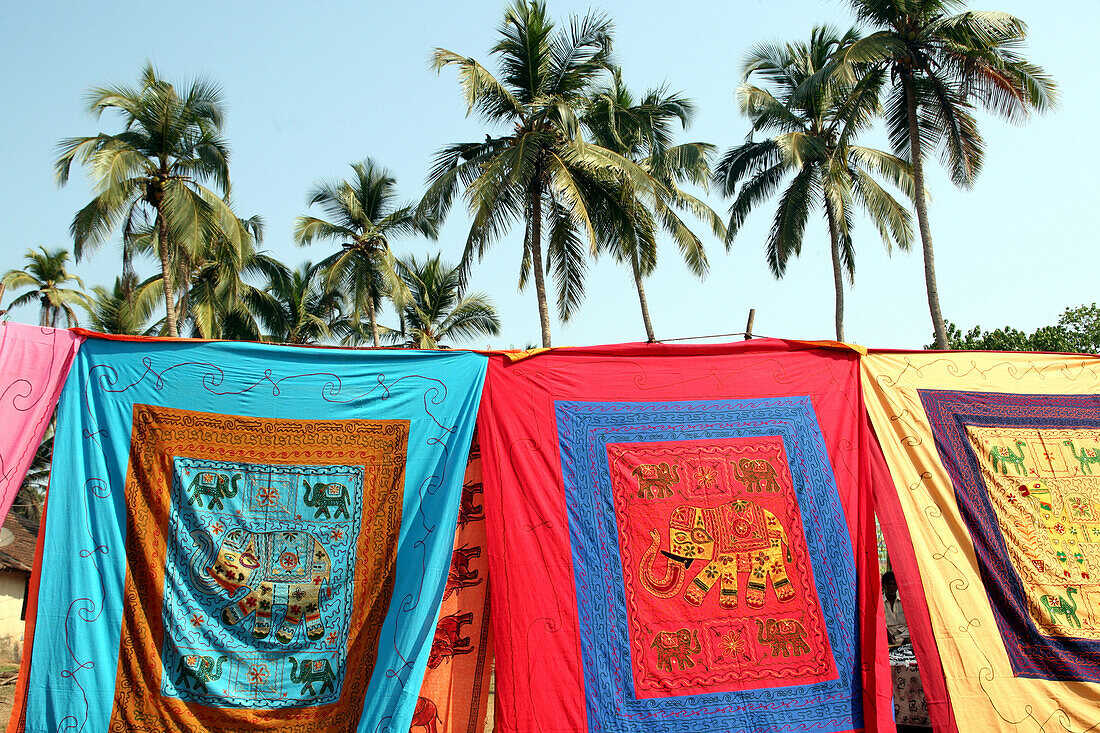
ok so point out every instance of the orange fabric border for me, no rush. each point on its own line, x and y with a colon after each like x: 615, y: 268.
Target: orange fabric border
x: 159, y: 435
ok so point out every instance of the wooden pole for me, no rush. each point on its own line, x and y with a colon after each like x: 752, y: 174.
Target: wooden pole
x: 748, y: 326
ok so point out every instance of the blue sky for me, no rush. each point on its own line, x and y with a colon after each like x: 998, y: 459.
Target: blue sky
x: 311, y: 88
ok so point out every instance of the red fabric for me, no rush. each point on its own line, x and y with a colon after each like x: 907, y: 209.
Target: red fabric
x: 541, y: 682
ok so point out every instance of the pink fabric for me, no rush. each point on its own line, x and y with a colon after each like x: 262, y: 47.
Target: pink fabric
x: 34, y: 361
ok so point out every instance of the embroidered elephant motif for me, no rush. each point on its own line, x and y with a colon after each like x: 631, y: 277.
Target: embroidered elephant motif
x: 199, y: 669
x: 321, y: 497
x: 467, y: 510
x: 1086, y: 457
x: 271, y: 565
x: 449, y: 641
x: 756, y: 474
x: 425, y: 715
x: 311, y: 672
x: 785, y: 635
x: 676, y: 646
x: 738, y: 536
x: 459, y: 575
x: 1057, y: 605
x: 659, y: 476
x: 1003, y: 455
x: 1077, y: 523
x: 215, y: 485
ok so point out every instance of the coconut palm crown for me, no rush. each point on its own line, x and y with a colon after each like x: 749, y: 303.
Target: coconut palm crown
x: 156, y: 168
x: 641, y: 130
x: 540, y: 171
x: 363, y: 214
x: 436, y: 311
x: 47, y: 274
x: 813, y: 121
x: 943, y: 64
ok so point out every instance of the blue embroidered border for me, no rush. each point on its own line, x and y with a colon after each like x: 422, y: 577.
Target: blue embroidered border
x: 584, y: 430
x: 1031, y: 653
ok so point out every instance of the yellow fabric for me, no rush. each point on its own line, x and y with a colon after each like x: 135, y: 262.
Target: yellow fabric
x: 984, y: 693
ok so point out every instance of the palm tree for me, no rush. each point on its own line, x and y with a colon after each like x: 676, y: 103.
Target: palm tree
x: 813, y: 119
x: 155, y: 169
x: 127, y: 308
x: 437, y: 310
x: 642, y: 132
x: 302, y: 309
x: 541, y: 172
x: 941, y: 66
x: 362, y: 215
x: 46, y: 275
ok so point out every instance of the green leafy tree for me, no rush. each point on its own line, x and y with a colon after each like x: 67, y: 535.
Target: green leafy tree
x: 540, y: 172
x: 942, y: 66
x: 302, y: 309
x: 436, y: 310
x: 155, y: 170
x: 1077, y: 331
x: 363, y: 214
x: 46, y: 274
x: 814, y: 119
x: 641, y: 130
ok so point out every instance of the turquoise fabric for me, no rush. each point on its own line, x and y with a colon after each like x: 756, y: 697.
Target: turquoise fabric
x: 80, y: 585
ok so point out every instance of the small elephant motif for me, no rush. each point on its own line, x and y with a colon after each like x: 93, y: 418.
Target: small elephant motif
x: 467, y: 510
x: 194, y: 671
x: 449, y: 641
x: 459, y: 575
x: 426, y: 716
x: 785, y: 635
x: 1057, y: 605
x: 659, y: 476
x: 216, y: 486
x: 756, y: 474
x: 321, y: 497
x: 311, y: 672
x: 676, y: 646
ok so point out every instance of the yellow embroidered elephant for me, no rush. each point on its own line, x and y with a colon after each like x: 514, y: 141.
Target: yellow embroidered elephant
x: 1078, y: 522
x: 738, y: 536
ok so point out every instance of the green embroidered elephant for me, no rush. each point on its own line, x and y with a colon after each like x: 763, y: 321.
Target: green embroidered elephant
x: 738, y: 536
x: 1002, y: 455
x: 659, y: 476
x: 199, y: 670
x: 756, y: 474
x: 283, y: 567
x: 313, y: 671
x: 1086, y: 457
x: 321, y: 497
x: 214, y: 485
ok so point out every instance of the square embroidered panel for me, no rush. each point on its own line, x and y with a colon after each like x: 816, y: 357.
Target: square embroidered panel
x: 993, y: 525
x: 265, y: 570
x: 681, y: 541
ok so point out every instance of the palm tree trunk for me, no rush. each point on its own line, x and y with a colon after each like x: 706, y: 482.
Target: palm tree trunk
x: 166, y: 274
x: 372, y: 318
x: 536, y: 256
x: 922, y: 214
x: 838, y: 275
x: 641, y: 299
x: 44, y: 316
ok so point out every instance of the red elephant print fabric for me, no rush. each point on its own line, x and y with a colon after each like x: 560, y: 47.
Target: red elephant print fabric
x: 455, y: 693
x: 680, y: 539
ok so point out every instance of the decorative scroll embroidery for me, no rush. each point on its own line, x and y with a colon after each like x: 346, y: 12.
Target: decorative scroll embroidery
x: 260, y: 551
